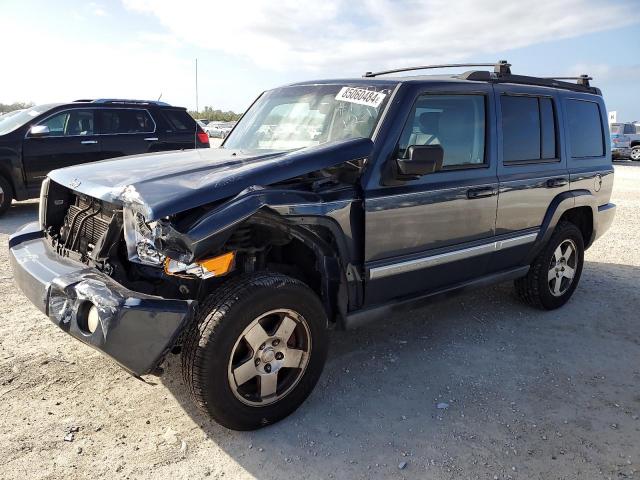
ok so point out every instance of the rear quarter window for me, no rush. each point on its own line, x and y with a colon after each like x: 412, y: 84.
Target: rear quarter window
x: 179, y: 120
x: 584, y: 125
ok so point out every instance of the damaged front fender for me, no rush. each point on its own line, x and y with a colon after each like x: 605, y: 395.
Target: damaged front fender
x: 211, y: 231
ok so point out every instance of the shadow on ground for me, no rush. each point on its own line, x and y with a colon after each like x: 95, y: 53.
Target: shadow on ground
x: 18, y: 214
x: 524, y: 388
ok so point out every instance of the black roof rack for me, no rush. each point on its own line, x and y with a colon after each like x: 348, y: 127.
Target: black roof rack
x: 501, y: 67
x: 123, y: 100
x: 502, y: 74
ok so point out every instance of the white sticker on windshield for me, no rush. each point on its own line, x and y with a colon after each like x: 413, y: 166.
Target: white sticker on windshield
x: 360, y: 96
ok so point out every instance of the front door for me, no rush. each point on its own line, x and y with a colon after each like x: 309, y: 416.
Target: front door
x: 436, y: 231
x: 71, y: 139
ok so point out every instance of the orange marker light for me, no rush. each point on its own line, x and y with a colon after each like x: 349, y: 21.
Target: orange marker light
x: 219, y: 265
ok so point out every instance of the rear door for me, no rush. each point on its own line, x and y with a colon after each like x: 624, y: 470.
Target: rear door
x: 436, y: 231
x: 126, y: 131
x: 72, y: 139
x: 531, y: 168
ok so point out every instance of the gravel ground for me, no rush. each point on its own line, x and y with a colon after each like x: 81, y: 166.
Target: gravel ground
x: 523, y: 393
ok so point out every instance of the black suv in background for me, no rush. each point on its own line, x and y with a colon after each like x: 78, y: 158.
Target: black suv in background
x: 46, y: 137
x: 332, y: 203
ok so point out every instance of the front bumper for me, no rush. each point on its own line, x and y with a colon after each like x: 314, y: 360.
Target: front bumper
x: 135, y: 329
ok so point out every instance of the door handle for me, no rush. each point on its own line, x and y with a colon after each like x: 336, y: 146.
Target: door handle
x: 557, y: 182
x: 89, y: 142
x: 481, y: 192
x: 151, y: 139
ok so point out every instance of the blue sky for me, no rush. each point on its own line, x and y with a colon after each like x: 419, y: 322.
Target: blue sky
x: 63, y: 50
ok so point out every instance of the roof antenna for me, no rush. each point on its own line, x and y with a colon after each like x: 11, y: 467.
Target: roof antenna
x: 195, y: 133
x: 159, y: 97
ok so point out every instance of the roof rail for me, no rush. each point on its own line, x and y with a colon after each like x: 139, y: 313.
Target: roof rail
x: 83, y: 100
x: 581, y: 80
x: 129, y: 101
x: 502, y: 67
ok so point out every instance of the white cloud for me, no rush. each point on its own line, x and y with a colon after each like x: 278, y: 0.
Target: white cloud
x: 91, y: 69
x: 97, y: 9
x: 354, y: 35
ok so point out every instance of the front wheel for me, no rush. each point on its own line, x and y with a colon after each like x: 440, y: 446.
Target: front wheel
x: 256, y: 351
x: 635, y: 154
x: 555, y: 273
x: 6, y: 195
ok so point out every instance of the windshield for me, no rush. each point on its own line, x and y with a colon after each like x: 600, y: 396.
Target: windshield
x: 296, y: 117
x: 616, y: 128
x: 9, y: 124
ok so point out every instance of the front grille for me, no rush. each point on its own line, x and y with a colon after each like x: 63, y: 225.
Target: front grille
x: 86, y: 222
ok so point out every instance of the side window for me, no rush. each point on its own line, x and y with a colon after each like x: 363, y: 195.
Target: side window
x: 179, y: 120
x: 70, y: 123
x: 528, y: 129
x: 628, y: 128
x: 585, y: 129
x: 455, y: 122
x: 115, y: 121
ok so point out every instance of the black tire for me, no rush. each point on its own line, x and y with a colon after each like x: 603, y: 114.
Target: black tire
x: 6, y: 195
x: 222, y: 320
x: 535, y: 288
x: 635, y: 154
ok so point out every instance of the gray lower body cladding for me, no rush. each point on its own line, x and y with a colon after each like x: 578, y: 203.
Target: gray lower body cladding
x: 134, y: 329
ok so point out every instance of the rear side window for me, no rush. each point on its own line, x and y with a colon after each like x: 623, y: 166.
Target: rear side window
x: 528, y: 129
x: 629, y: 128
x: 118, y: 121
x: 179, y: 120
x: 584, y: 123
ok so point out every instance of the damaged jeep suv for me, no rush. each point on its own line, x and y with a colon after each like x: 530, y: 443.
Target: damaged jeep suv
x: 332, y: 203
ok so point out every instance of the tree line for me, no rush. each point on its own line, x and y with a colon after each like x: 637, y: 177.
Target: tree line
x: 211, y: 114
x: 10, y: 107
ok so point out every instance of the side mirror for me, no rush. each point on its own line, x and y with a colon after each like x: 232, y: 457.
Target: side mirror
x: 39, y: 131
x: 422, y: 160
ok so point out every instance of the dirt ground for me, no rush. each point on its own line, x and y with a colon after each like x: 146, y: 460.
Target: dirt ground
x: 530, y: 394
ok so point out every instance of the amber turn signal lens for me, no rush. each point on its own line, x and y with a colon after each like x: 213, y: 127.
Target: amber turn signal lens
x: 218, y: 265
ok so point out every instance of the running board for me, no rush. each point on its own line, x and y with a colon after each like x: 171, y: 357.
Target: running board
x: 362, y: 317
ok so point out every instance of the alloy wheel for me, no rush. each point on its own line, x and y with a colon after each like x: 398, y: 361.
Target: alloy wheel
x: 562, y: 268
x: 270, y: 357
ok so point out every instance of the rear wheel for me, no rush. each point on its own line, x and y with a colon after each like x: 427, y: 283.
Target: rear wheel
x: 635, y: 153
x: 555, y: 273
x: 6, y: 195
x: 256, y: 351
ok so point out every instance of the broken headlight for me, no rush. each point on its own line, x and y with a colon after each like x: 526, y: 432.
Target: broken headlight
x: 139, y: 236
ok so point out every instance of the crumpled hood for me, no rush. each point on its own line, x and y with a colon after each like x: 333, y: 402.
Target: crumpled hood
x: 171, y: 182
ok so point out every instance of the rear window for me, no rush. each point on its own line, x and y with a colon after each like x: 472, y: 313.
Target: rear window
x: 179, y: 120
x: 528, y: 129
x: 585, y: 129
x: 119, y: 121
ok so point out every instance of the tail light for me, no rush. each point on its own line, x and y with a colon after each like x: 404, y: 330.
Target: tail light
x: 203, y: 137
